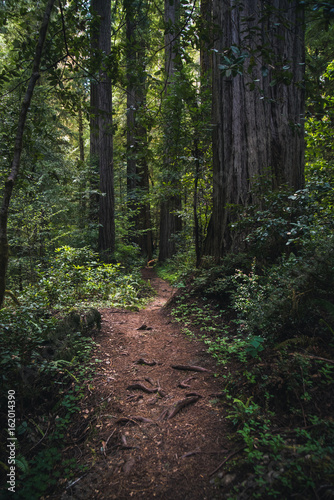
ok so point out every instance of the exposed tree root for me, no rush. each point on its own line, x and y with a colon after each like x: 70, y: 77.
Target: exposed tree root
x: 134, y: 420
x: 182, y: 404
x: 190, y: 368
x: 184, y: 384
x: 199, y: 452
x: 141, y: 387
x: 164, y: 415
x: 170, y: 413
x: 143, y: 361
x: 218, y: 395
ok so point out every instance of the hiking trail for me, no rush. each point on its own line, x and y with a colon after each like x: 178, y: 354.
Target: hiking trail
x: 149, y: 425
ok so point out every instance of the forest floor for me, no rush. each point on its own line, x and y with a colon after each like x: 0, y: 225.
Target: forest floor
x: 140, y: 433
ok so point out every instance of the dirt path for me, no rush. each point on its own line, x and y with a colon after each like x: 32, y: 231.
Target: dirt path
x: 171, y: 455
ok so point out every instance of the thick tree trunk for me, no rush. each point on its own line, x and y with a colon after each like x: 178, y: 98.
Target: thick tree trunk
x: 170, y: 222
x: 15, y: 167
x: 107, y: 202
x: 206, y: 40
x: 94, y: 135
x: 137, y: 147
x: 170, y: 225
x: 83, y: 201
x: 256, y: 132
x: 102, y: 109
x: 132, y: 105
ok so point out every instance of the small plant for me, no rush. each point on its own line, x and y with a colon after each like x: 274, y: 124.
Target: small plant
x: 77, y: 276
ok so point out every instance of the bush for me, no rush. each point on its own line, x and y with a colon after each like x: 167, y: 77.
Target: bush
x: 78, y: 276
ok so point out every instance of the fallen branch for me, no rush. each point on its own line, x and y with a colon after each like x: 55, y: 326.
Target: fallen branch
x: 190, y: 368
x: 226, y: 459
x: 310, y: 356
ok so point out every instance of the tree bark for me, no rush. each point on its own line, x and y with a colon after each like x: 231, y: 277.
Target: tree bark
x: 170, y: 222
x: 256, y: 132
x: 137, y: 146
x: 206, y: 42
x: 102, y: 109
x: 15, y: 166
x: 131, y: 63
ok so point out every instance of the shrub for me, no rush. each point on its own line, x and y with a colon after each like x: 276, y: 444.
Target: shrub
x: 78, y: 276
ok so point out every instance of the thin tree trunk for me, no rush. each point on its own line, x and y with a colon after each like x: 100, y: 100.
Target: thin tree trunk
x: 198, y: 246
x: 15, y: 167
x: 82, y: 202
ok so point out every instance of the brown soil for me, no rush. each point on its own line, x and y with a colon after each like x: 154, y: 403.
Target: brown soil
x: 173, y: 454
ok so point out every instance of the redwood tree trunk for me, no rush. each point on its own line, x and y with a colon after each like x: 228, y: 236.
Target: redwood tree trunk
x: 102, y: 109
x: 131, y: 102
x: 206, y: 40
x: 260, y: 131
x: 170, y: 222
x: 137, y: 166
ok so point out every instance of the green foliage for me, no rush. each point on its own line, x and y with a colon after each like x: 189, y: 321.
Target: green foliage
x: 45, y: 348
x: 78, y: 276
x: 41, y: 371
x: 176, y: 269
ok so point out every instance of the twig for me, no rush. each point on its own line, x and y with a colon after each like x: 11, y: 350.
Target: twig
x: 45, y: 433
x: 226, y: 459
x: 310, y: 356
x: 111, y: 435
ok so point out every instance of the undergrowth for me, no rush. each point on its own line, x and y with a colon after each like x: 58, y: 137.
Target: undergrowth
x: 278, y: 386
x: 268, y: 320
x: 46, y: 344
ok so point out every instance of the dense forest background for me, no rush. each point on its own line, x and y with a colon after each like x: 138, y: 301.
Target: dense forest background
x: 197, y: 134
